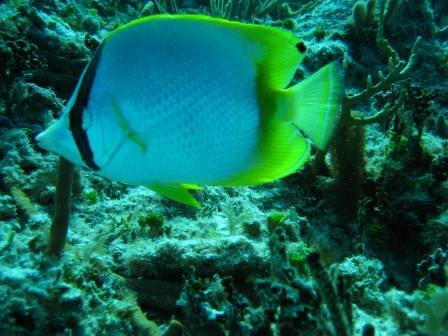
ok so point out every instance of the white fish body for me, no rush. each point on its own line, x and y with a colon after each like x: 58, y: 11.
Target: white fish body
x: 174, y: 100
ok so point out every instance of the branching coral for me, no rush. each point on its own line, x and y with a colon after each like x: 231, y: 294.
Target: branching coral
x: 348, y: 149
x: 250, y: 10
x: 398, y: 70
x: 242, y: 10
x: 221, y: 8
x: 166, y: 6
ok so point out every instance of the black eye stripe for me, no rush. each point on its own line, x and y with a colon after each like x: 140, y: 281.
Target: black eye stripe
x: 77, y: 113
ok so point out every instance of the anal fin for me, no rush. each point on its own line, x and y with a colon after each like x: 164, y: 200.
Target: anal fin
x: 192, y: 187
x: 175, y: 192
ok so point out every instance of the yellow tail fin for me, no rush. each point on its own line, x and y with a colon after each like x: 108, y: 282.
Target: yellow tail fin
x: 316, y: 104
x: 313, y: 107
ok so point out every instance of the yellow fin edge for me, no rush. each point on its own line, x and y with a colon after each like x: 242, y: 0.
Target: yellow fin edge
x: 175, y: 192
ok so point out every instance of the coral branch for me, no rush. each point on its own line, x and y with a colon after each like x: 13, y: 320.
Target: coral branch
x: 266, y: 6
x: 59, y: 227
x: 221, y: 8
x: 398, y: 70
x: 163, y: 7
x: 386, y: 111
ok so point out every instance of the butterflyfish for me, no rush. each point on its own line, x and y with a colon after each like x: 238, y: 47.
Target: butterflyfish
x: 175, y: 102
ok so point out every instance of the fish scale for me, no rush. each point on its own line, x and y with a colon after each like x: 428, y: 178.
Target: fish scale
x: 197, y: 119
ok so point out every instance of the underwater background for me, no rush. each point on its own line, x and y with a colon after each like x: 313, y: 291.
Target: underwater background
x: 354, y: 243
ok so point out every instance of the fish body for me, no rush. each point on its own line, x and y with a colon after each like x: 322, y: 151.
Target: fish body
x: 177, y: 101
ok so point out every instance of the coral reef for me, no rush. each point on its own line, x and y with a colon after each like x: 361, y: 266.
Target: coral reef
x: 353, y: 244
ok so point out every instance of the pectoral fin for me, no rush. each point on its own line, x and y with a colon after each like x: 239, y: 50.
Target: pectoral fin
x: 125, y: 127
x: 176, y: 192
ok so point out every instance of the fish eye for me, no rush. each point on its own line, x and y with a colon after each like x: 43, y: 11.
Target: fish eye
x: 301, y: 47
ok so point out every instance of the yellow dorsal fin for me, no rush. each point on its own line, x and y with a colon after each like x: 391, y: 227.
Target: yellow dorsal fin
x: 281, y: 54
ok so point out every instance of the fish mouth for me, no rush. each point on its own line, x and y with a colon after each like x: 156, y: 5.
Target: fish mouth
x: 51, y: 138
x: 38, y: 137
x: 41, y: 138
